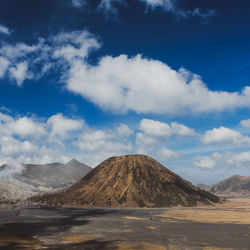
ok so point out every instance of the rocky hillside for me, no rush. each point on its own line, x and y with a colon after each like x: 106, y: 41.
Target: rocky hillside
x: 28, y: 180
x: 234, y: 185
x: 55, y: 175
x: 129, y: 181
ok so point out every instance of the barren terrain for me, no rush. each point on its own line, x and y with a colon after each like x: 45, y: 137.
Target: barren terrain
x: 222, y: 226
x: 235, y: 211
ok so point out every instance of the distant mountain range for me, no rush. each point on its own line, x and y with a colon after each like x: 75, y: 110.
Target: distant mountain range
x: 129, y: 181
x: 33, y: 179
x: 235, y: 185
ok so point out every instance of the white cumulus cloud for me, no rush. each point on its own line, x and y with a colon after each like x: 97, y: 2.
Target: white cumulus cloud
x: 153, y: 135
x: 164, y: 130
x: 20, y: 72
x: 225, y: 135
x: 165, y: 154
x: 30, y: 139
x: 150, y: 87
x: 4, y: 30
x: 4, y: 63
x: 124, y: 130
x: 155, y: 128
x: 27, y: 128
x: 76, y: 44
x: 245, y: 123
x: 182, y: 130
x: 97, y: 145
x: 61, y: 125
x: 119, y: 84
x: 226, y: 160
x: 205, y: 162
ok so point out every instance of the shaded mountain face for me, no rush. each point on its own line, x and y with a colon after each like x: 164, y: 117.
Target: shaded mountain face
x: 33, y: 179
x: 129, y: 181
x: 55, y: 175
x: 235, y: 185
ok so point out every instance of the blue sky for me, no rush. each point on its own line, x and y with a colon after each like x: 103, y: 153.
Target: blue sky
x: 92, y: 79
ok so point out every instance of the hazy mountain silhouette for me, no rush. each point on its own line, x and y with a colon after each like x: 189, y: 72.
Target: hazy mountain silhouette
x: 235, y: 185
x: 33, y: 179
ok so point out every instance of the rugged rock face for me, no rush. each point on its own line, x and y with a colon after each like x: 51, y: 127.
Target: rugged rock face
x: 17, y: 184
x: 235, y: 185
x: 129, y: 181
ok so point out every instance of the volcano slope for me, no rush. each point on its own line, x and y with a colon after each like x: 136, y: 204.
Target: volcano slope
x: 129, y: 181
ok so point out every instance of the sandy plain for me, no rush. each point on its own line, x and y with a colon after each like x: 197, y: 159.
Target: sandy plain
x: 223, y: 226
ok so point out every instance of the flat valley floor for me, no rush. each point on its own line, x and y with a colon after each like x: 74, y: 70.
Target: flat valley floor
x: 224, y: 226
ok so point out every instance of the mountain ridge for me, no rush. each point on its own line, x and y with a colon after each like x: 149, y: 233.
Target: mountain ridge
x: 234, y: 185
x: 129, y: 181
x: 35, y: 178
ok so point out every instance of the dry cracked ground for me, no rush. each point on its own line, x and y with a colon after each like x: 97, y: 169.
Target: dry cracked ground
x: 223, y: 226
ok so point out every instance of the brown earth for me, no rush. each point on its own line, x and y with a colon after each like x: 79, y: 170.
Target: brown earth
x: 129, y: 181
x: 233, y: 211
x: 234, y: 186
